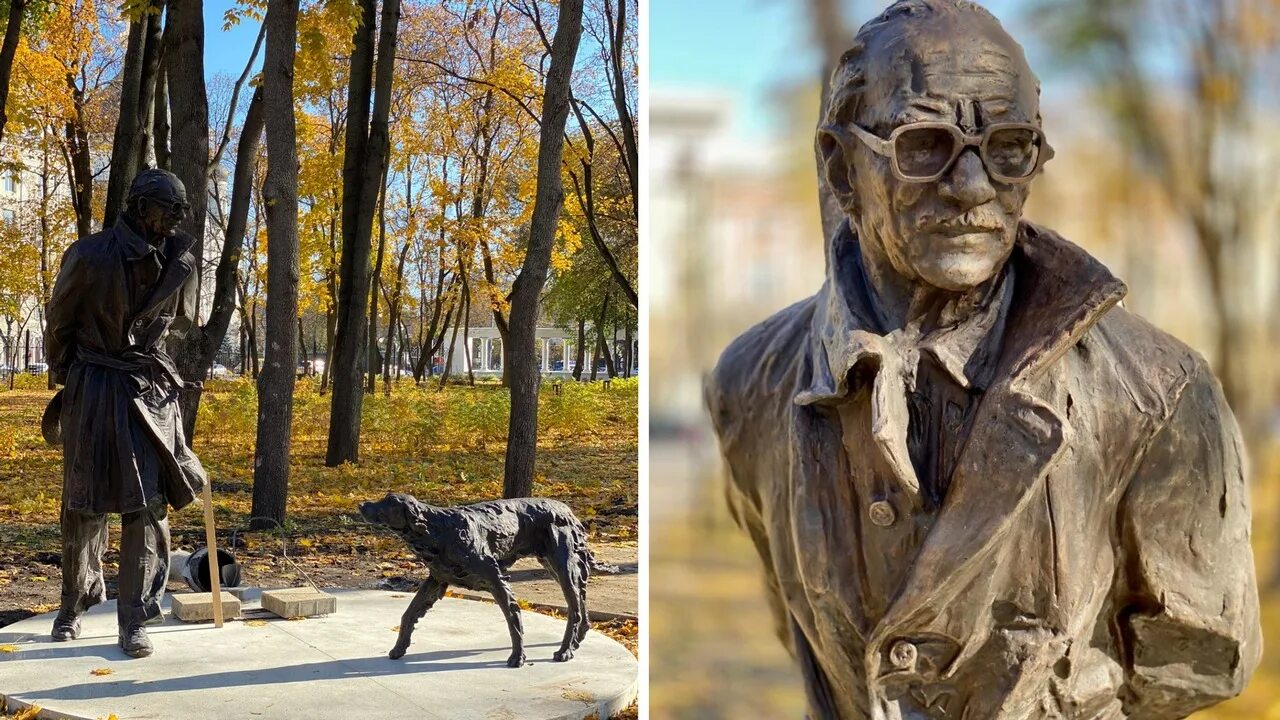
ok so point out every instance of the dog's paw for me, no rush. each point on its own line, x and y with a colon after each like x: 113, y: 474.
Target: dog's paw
x: 562, y: 655
x: 396, y: 653
x: 516, y: 660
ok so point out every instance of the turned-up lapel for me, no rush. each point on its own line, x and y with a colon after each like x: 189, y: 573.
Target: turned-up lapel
x: 1060, y: 292
x: 177, y: 270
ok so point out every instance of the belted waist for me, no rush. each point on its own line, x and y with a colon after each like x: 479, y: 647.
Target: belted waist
x: 155, y: 362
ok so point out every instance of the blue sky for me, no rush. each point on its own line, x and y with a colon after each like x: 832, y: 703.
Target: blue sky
x: 226, y: 52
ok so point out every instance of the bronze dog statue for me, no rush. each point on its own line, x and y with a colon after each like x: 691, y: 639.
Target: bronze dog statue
x: 473, y: 546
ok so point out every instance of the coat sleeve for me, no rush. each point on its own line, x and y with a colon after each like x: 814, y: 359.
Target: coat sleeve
x: 62, y: 314
x: 1186, y: 595
x: 732, y: 428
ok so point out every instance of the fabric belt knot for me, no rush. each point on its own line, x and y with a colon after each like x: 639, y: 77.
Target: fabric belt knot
x: 152, y: 368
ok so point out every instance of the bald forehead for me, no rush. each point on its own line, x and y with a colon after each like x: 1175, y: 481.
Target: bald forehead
x: 959, y: 67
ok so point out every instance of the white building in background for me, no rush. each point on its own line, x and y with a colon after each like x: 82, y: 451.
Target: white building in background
x: 557, y: 353
x: 22, y: 336
x: 730, y: 238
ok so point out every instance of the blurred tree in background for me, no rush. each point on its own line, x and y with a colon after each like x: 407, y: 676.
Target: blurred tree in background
x: 1190, y: 90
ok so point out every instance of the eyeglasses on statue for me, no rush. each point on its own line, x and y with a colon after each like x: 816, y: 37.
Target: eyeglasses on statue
x: 925, y: 151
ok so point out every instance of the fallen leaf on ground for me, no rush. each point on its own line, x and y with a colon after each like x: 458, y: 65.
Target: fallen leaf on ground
x: 30, y: 712
x: 256, y: 623
x: 8, y: 648
x: 101, y: 671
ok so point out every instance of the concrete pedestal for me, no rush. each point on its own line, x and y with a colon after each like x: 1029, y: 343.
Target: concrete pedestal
x: 327, y: 667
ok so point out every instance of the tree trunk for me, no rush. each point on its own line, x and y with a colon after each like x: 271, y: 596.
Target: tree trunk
x: 256, y: 366
x: 160, y: 126
x: 226, y: 276
x: 366, y: 156
x: 80, y: 168
x: 373, y: 363
x: 602, y: 345
x: 302, y: 346
x: 453, y: 343
x: 7, y: 52
x: 595, y: 356
x: 125, y: 150
x: 580, y: 350
x: 393, y: 313
x: 280, y: 191
x: 610, y: 368
x: 466, y: 335
x: 628, y: 356
x: 631, y: 153
x: 330, y: 328
x: 522, y: 433
x: 586, y: 197
x: 184, y: 50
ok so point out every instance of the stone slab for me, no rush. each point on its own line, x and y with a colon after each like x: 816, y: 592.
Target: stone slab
x: 198, y: 607
x: 299, y: 602
x: 327, y: 667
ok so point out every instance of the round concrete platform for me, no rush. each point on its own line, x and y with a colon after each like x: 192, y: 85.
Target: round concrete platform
x: 328, y: 667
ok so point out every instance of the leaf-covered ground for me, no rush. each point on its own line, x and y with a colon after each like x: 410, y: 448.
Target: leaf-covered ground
x: 443, y: 447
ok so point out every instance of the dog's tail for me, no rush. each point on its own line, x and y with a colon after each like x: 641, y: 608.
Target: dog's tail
x: 600, y: 567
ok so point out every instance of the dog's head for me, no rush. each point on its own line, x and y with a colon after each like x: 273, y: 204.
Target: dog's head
x: 397, y: 511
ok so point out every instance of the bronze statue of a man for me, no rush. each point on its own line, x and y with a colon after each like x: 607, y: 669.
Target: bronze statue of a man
x: 117, y: 296
x: 980, y: 488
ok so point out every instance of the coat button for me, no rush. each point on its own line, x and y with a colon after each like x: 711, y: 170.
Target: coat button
x: 137, y: 323
x: 902, y: 655
x: 882, y: 513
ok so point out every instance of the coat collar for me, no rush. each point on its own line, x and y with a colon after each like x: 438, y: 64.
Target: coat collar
x: 1060, y: 292
x: 178, y: 263
x: 133, y: 244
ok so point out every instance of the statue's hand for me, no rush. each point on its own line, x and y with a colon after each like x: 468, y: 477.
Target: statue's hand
x: 194, y: 385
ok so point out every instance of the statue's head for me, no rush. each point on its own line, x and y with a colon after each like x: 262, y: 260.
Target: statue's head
x: 157, y: 201
x: 930, y: 138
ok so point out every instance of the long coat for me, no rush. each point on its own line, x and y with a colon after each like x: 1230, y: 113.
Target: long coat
x: 1091, y: 559
x: 122, y: 436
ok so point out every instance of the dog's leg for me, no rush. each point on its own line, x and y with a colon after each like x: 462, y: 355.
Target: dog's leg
x: 428, y: 593
x: 572, y: 582
x: 501, y: 590
x: 584, y: 623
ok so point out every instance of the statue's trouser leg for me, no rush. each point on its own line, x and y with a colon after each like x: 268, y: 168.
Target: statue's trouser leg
x: 84, y: 539
x: 144, y: 563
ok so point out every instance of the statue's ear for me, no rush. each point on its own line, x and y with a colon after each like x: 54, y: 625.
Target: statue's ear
x: 835, y: 161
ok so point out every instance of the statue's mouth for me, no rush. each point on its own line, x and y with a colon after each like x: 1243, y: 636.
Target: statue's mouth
x: 953, y: 229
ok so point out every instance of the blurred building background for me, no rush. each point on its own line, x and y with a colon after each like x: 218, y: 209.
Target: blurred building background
x: 1164, y: 117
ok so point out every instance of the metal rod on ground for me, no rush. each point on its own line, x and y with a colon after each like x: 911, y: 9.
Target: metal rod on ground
x: 215, y: 571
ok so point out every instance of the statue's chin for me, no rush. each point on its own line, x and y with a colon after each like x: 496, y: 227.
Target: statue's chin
x: 959, y: 272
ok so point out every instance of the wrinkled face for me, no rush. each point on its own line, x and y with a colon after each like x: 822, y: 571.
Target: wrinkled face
x: 394, y: 511
x: 954, y: 233
x: 162, y: 216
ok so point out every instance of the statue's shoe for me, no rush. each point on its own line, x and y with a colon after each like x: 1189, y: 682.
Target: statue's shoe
x: 65, y: 627
x: 135, y: 643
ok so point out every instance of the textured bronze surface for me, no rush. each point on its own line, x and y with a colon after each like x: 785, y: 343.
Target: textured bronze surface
x: 979, y: 487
